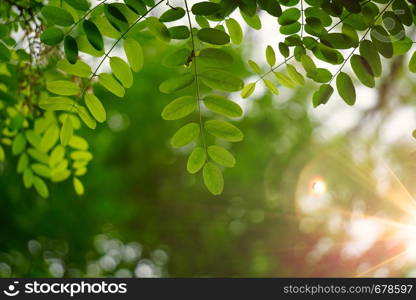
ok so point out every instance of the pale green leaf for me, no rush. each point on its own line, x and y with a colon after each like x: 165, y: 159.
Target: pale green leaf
x: 196, y: 160
x: 95, y: 107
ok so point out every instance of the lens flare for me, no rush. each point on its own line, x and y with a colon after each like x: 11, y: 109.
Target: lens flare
x: 317, y: 186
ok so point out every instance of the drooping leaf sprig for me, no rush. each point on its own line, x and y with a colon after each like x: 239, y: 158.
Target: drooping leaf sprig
x: 46, y: 80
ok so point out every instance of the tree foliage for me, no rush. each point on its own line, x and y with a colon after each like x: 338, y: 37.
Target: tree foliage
x: 48, y: 50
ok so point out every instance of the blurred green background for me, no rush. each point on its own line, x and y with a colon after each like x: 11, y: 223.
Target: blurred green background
x: 143, y: 215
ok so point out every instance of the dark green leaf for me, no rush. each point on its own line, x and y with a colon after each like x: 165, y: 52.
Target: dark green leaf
x: 71, y: 49
x: 322, y: 95
x: 52, y: 36
x: 57, y: 15
x: 346, y: 88
x: 93, y: 34
x: 213, y: 36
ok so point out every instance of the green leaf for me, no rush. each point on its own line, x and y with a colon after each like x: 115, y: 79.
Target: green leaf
x: 382, y: 41
x: 121, y: 71
x: 224, y: 130
x: 106, y: 28
x: 95, y: 107
x: 215, y: 57
x: 41, y: 170
x: 111, y: 84
x: 403, y: 11
x: 52, y: 36
x: 66, y: 131
x: 58, y: 103
x: 158, y: 29
x: 202, y: 21
x: 308, y: 64
x: 177, y: 58
x: 78, y: 142
x: 284, y: 49
x: 177, y: 83
x: 185, y: 135
x: 172, y: 14
x: 369, y: 52
x: 322, y: 95
x: 134, y: 54
x: 60, y: 175
x: 337, y: 40
x: 412, y: 63
x: 235, y: 31
x: 63, y: 87
x: 33, y: 138
x: 86, y: 117
x: 402, y: 46
x: 221, y: 156
x: 289, y: 16
x: 4, y: 53
x: 270, y: 56
x: 27, y: 178
x: 49, y: 139
x: 39, y: 156
x: 137, y: 6
x: 270, y: 85
x: 213, y: 36
x: 223, y: 106
x: 57, y: 15
x: 284, y: 80
x: 79, y: 4
x: 81, y: 155
x: 93, y: 35
x: 221, y: 80
x: 40, y: 187
x: 22, y: 163
x: 320, y: 75
x: 248, y: 90
x: 71, y: 49
x: 85, y: 46
x: 2, y: 155
x: 363, y: 70
x: 213, y: 178
x: 179, y: 108
x: 271, y: 6
x: 116, y: 18
x: 196, y: 160
x: 57, y: 154
x: 295, y: 75
x: 179, y: 32
x: 346, y: 88
x: 19, y: 144
x: 80, y: 68
x: 254, y: 21
x: 254, y: 66
x: 392, y: 23
x: 205, y: 8
x: 78, y: 186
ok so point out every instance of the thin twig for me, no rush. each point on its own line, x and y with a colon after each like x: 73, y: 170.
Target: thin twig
x: 196, y: 77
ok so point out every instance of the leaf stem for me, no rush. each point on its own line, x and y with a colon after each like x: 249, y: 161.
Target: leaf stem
x: 116, y: 42
x: 83, y: 17
x: 302, y: 18
x: 359, y: 42
x: 196, y: 77
x: 316, y: 39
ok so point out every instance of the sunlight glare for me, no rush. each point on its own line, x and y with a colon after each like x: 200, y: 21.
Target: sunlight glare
x: 317, y: 186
